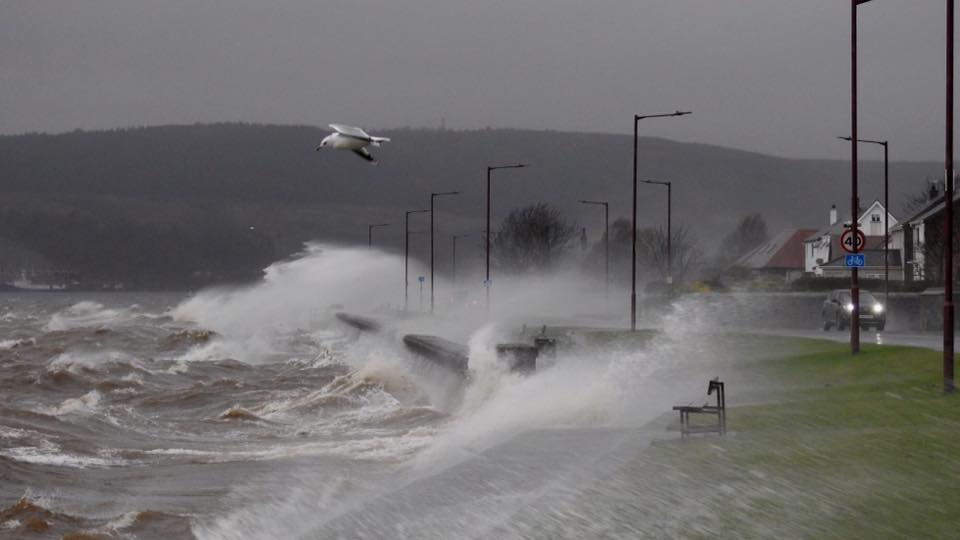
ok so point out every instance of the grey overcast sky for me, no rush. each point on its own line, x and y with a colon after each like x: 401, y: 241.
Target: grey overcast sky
x: 764, y: 75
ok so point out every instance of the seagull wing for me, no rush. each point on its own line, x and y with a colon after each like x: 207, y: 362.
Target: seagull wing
x: 351, y: 131
x: 365, y: 155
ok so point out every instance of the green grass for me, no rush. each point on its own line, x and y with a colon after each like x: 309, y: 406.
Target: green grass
x: 842, y: 446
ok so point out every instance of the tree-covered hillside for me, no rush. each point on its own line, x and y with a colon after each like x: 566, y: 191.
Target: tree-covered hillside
x: 181, y: 206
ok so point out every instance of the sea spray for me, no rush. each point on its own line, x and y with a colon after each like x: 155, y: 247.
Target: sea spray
x: 86, y: 314
x: 298, y: 293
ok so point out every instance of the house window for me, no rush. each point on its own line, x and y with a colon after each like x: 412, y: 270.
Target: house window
x: 875, y: 218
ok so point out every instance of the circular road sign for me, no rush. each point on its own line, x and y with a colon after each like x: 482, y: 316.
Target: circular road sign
x: 848, y: 244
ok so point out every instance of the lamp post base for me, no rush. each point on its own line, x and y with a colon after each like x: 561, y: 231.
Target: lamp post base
x: 948, y: 377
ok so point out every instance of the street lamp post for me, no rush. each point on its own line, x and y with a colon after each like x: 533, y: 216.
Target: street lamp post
x: 453, y: 272
x: 886, y: 221
x: 490, y: 169
x: 854, y: 199
x: 406, y: 256
x: 633, y: 235
x: 370, y: 229
x: 433, y: 196
x: 948, y: 382
x: 669, y: 233
x: 606, y: 244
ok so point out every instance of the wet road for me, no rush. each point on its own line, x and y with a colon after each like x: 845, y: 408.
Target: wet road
x: 927, y: 340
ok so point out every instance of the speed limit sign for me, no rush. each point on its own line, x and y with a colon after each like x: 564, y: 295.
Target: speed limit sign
x: 852, y: 244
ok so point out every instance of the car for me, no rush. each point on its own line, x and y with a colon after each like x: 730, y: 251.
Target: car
x: 838, y: 307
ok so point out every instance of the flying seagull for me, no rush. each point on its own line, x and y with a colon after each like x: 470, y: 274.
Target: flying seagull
x: 351, y: 138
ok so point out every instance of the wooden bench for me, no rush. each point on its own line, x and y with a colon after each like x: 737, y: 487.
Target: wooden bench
x: 720, y: 410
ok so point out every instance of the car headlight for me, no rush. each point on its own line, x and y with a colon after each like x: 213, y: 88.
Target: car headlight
x: 878, y: 308
x: 849, y: 307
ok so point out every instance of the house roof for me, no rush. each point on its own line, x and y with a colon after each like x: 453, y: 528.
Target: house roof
x: 873, y: 259
x: 837, y: 228
x: 931, y: 209
x: 833, y: 230
x: 783, y: 251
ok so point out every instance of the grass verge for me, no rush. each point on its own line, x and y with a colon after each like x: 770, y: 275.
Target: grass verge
x: 845, y: 447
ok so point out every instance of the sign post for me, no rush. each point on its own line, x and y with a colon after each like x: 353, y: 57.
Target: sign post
x: 421, y: 279
x: 852, y: 241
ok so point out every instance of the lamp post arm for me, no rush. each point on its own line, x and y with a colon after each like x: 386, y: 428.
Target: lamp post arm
x: 666, y: 115
x: 633, y: 220
x: 491, y: 168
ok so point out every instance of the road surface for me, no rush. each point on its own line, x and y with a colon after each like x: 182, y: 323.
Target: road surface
x: 927, y: 340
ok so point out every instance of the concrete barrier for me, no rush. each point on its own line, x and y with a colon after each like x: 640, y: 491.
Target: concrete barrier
x: 361, y: 323
x: 442, y: 352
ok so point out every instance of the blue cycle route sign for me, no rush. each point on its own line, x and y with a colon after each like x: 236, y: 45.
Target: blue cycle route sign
x: 854, y: 261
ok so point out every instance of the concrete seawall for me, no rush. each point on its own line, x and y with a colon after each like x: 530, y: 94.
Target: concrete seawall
x: 519, y: 357
x: 360, y: 323
x: 448, y: 354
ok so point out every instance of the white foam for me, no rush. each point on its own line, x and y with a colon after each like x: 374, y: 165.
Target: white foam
x: 15, y: 433
x: 592, y: 388
x: 181, y: 452
x: 50, y: 454
x: 85, y: 314
x: 7, y: 344
x: 84, y: 404
x: 123, y: 521
x: 75, y: 361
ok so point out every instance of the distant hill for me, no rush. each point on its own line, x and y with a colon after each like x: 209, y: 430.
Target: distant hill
x: 176, y: 206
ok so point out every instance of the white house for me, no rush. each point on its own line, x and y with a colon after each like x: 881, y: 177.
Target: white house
x: 911, y: 236
x: 824, y: 245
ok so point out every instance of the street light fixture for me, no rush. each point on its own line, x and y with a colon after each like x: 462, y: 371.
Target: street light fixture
x: 406, y: 256
x: 453, y: 272
x: 669, y: 233
x: 490, y: 169
x: 854, y: 198
x: 370, y: 229
x: 633, y: 235
x: 433, y: 196
x: 886, y: 207
x: 606, y: 243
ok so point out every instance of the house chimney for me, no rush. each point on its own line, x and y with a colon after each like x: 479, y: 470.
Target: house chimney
x: 833, y: 214
x: 933, y: 193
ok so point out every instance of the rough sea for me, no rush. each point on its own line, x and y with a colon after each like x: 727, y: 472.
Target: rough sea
x: 252, y: 412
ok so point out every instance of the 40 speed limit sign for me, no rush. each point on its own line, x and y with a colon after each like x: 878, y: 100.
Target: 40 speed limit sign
x: 851, y: 243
